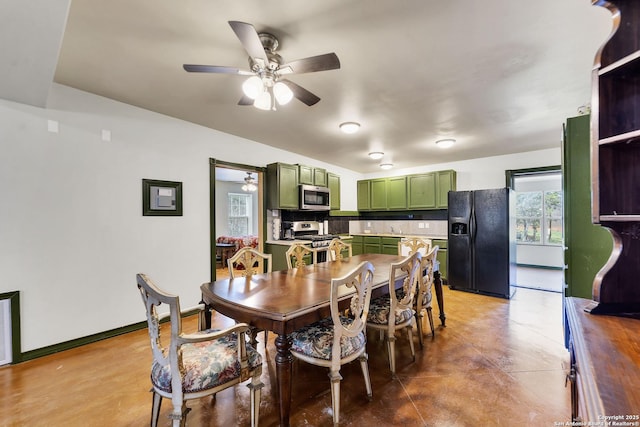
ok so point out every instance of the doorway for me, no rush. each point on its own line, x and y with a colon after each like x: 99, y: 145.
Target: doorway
x: 539, y: 226
x: 236, y: 211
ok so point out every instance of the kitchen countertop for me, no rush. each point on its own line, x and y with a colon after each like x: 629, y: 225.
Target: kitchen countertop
x: 408, y: 236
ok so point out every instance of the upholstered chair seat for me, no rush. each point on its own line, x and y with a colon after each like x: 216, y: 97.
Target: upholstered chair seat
x: 206, y: 364
x: 380, y: 307
x: 316, y: 340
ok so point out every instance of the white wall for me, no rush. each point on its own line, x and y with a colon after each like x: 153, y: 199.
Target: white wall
x: 72, y: 235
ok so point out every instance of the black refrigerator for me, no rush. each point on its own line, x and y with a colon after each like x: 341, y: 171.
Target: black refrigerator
x: 481, y: 248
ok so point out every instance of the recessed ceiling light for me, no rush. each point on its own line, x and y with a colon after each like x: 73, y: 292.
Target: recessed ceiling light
x: 445, y: 143
x: 349, y: 127
x: 386, y: 165
x: 376, y: 155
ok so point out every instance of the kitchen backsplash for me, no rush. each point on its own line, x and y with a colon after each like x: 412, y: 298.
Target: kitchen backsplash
x: 431, y: 228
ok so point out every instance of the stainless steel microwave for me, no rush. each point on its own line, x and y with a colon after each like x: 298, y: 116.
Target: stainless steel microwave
x: 313, y: 198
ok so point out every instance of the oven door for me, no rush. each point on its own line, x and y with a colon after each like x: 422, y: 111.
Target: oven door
x: 314, y: 198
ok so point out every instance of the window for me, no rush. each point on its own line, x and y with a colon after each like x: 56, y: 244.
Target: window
x: 539, y: 217
x: 240, y: 210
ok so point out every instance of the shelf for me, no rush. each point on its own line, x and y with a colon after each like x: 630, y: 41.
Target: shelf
x: 620, y: 218
x: 630, y: 63
x: 623, y: 137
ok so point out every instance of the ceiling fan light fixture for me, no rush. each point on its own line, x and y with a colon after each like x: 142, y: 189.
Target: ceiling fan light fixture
x: 445, y: 143
x: 253, y: 87
x: 376, y: 155
x: 263, y: 102
x: 282, y: 93
x: 249, y: 183
x: 386, y: 166
x: 349, y: 127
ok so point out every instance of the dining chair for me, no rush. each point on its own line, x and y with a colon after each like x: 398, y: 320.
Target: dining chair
x: 424, y: 294
x: 337, y: 340
x: 336, y: 248
x: 409, y: 245
x: 191, y: 366
x: 250, y: 261
x: 298, y: 253
x: 389, y: 313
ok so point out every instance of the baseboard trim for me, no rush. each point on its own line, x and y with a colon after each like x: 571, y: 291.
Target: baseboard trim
x: 78, y: 342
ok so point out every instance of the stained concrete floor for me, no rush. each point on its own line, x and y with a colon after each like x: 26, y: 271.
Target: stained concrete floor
x: 496, y: 363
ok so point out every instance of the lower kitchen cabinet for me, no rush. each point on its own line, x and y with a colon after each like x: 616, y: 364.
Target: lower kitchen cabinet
x: 442, y: 256
x: 389, y: 245
x: 357, y: 245
x: 278, y: 256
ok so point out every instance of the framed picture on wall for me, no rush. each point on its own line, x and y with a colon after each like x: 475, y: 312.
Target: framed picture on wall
x: 161, y: 198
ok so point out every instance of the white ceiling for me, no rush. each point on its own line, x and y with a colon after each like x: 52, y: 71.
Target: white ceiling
x: 500, y: 76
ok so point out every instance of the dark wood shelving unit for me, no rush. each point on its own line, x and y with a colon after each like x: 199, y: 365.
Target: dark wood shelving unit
x: 615, y: 130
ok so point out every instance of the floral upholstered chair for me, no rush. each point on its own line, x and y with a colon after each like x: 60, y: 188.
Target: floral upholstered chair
x: 389, y: 313
x: 298, y: 253
x: 191, y: 366
x: 337, y: 247
x: 337, y: 340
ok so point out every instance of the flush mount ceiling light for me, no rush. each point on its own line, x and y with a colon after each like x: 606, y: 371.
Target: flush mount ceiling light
x: 386, y: 165
x: 445, y: 143
x: 349, y: 127
x: 376, y: 155
x: 249, y: 183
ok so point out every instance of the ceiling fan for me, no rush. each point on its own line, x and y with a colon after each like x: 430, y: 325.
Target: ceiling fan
x: 266, y: 84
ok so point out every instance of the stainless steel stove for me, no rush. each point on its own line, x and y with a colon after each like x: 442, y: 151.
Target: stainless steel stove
x: 310, y: 231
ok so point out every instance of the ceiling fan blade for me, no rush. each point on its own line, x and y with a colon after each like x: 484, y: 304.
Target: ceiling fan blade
x: 328, y: 61
x: 193, y: 68
x: 245, y: 100
x: 250, y: 40
x: 301, y: 93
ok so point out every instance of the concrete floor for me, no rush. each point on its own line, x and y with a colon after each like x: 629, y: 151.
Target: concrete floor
x: 496, y: 363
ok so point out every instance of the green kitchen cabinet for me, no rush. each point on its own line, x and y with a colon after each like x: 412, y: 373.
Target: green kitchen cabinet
x: 588, y: 246
x: 333, y: 182
x: 312, y: 176
x: 389, y: 245
x: 278, y: 256
x: 282, y: 186
x: 421, y: 190
x: 364, y: 195
x: 397, y: 193
x: 357, y: 245
x: 372, y: 245
x: 445, y: 182
x: 379, y: 194
x: 441, y: 256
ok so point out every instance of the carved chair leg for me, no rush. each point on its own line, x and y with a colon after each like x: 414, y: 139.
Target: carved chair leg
x: 419, y: 318
x: 430, y: 314
x: 335, y: 378
x: 255, y: 387
x: 391, y: 346
x: 365, y: 373
x: 410, y: 336
x: 155, y: 409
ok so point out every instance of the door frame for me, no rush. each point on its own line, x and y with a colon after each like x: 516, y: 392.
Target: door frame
x: 260, y: 172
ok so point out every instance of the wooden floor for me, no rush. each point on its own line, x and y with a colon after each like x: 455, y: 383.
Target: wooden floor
x: 496, y: 363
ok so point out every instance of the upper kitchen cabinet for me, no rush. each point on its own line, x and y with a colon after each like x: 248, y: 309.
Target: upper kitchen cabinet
x: 333, y: 182
x: 312, y: 176
x: 410, y: 192
x: 397, y: 193
x: 364, y: 195
x: 422, y: 191
x: 282, y: 186
x: 445, y: 182
x: 615, y: 148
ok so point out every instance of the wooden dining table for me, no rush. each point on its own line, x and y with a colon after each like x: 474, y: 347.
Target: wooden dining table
x: 284, y: 301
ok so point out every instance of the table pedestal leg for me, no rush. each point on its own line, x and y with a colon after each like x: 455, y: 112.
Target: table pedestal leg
x: 437, y: 282
x: 284, y: 363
